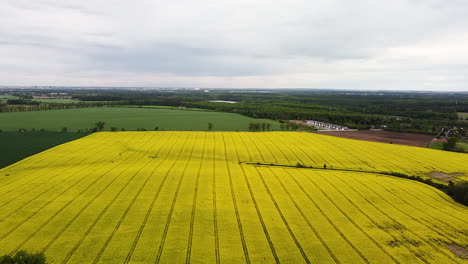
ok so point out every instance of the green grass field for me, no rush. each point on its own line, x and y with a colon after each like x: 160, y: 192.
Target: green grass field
x: 463, y: 116
x: 462, y: 146
x: 125, y: 117
x: 61, y: 101
x: 4, y: 98
x: 16, y: 146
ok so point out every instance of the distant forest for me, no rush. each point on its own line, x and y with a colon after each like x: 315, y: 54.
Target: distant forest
x: 418, y: 112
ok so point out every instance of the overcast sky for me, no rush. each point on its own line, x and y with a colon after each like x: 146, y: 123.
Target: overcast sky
x: 342, y: 44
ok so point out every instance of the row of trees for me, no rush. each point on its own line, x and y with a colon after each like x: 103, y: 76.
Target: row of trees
x: 255, y: 127
x: 5, y: 108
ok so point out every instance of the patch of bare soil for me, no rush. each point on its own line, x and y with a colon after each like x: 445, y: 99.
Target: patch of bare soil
x: 440, y: 176
x: 459, y: 251
x: 400, y: 138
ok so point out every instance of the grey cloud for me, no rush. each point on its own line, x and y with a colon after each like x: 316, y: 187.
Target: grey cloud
x: 177, y: 58
x: 297, y: 43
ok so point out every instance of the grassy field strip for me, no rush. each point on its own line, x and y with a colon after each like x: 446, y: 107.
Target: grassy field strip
x: 139, y: 197
x: 129, y: 118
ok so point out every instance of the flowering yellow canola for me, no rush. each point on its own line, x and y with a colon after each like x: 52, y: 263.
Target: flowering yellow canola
x: 198, y: 197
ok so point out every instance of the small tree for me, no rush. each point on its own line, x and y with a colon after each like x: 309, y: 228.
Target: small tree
x: 156, y: 128
x: 64, y: 129
x: 451, y: 143
x: 210, y: 126
x: 113, y: 129
x: 100, y: 125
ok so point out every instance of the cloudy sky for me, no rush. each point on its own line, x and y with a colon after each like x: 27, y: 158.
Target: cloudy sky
x: 342, y: 44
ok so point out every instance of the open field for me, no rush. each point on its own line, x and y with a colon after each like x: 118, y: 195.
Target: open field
x: 18, y: 145
x: 7, y: 97
x: 125, y: 117
x: 463, y: 116
x: 408, y: 139
x: 174, y: 197
x: 57, y: 100
x: 462, y: 146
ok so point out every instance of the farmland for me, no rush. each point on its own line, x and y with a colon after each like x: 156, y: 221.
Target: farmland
x: 201, y: 197
x: 125, y: 117
x: 408, y: 139
x: 19, y: 145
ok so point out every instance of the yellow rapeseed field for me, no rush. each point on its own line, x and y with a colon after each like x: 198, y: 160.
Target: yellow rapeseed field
x: 221, y: 197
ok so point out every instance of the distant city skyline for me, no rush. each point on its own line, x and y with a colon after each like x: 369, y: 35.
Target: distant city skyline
x: 350, y: 45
